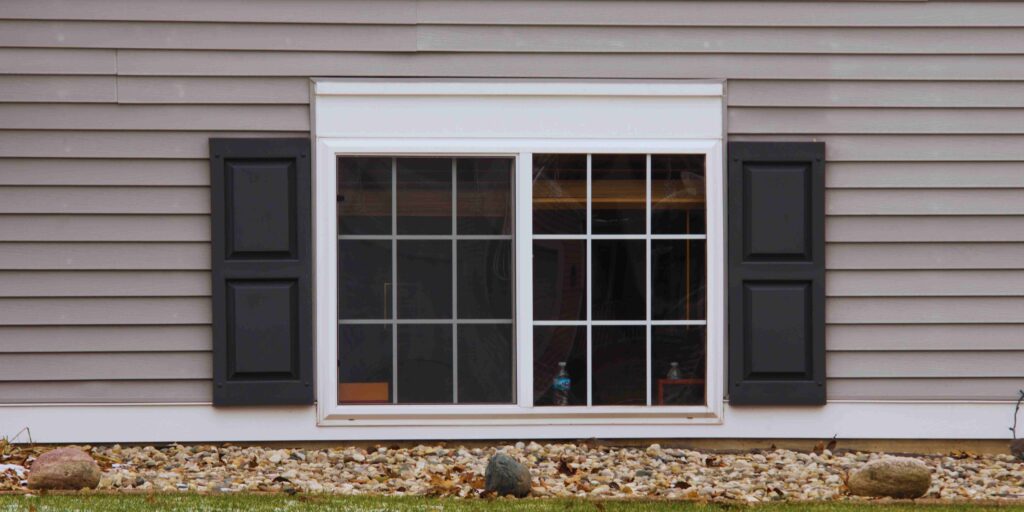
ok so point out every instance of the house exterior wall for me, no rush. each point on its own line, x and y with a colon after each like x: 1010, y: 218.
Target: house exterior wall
x: 106, y: 107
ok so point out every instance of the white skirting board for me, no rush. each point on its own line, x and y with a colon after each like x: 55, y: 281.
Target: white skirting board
x: 161, y: 423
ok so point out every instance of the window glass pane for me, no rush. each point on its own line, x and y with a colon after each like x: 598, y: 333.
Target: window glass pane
x: 485, y: 363
x: 678, y: 280
x: 364, y: 196
x: 364, y: 364
x: 618, y: 194
x: 560, y: 279
x: 424, y: 279
x: 678, y: 362
x: 485, y: 279
x: 425, y: 364
x: 618, y: 274
x: 364, y: 279
x: 677, y: 190
x: 424, y: 196
x: 559, y: 194
x: 620, y: 365
x: 552, y: 345
x: 484, y: 196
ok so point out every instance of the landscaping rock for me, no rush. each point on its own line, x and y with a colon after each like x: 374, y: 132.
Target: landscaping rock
x: 1017, y: 448
x: 505, y: 476
x: 64, y: 468
x: 893, y: 477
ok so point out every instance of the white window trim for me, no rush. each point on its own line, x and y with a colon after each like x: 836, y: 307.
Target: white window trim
x: 334, y: 137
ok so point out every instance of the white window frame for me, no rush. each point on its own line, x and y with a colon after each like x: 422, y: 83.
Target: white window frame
x: 351, y: 117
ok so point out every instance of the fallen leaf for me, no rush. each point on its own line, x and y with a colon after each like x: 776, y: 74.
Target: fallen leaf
x: 832, y: 444
x: 681, y: 484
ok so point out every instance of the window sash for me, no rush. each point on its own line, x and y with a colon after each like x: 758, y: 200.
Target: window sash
x: 523, y: 411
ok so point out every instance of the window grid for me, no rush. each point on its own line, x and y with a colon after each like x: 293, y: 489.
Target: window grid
x: 647, y: 237
x: 454, y: 321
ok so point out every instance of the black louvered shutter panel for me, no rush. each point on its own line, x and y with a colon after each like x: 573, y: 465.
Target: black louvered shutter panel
x: 262, y: 271
x: 776, y: 273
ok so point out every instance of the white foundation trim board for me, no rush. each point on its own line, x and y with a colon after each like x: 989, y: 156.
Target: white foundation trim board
x: 163, y: 423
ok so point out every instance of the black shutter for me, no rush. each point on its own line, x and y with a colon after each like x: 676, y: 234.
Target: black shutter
x: 262, y: 271
x: 776, y: 273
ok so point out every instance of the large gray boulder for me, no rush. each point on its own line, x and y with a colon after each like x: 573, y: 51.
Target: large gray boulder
x: 893, y: 477
x: 506, y: 477
x: 64, y: 468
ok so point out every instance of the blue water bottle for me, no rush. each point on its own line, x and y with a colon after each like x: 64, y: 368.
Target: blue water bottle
x: 561, y: 384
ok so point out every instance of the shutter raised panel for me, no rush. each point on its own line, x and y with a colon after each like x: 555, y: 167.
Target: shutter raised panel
x: 262, y: 271
x: 776, y: 273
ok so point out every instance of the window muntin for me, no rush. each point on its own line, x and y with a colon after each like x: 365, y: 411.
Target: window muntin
x: 441, y: 228
x: 624, y: 300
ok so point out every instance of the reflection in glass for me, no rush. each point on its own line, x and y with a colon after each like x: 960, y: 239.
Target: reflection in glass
x: 485, y: 279
x: 552, y: 345
x: 364, y: 364
x: 678, y: 280
x: 560, y: 279
x: 559, y: 194
x: 685, y: 383
x: 484, y: 196
x: 618, y: 274
x: 425, y: 364
x: 364, y: 279
x: 364, y: 195
x: 424, y: 196
x: 485, y: 363
x: 620, y: 365
x: 618, y: 194
x: 677, y: 194
x: 424, y: 279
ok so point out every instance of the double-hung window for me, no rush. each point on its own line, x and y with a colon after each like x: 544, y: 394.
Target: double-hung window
x: 518, y: 252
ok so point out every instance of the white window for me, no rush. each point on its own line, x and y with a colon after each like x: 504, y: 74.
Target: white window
x: 518, y: 252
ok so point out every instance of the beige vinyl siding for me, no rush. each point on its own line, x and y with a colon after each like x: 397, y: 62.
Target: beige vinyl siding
x: 106, y: 108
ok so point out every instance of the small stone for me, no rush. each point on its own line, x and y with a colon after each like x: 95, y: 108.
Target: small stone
x: 64, y: 468
x: 1017, y: 448
x: 505, y: 476
x: 894, y: 477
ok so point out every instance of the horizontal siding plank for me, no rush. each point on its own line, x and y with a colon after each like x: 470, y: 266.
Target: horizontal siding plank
x: 924, y: 202
x: 107, y: 228
x: 58, y: 89
x: 153, y: 117
x: 749, y: 13
x: 118, y: 144
x: 924, y: 337
x: 925, y: 175
x: 212, y: 36
x: 826, y: 93
x: 101, y: 283
x: 179, y: 200
x: 567, y: 65
x: 308, y: 11
x: 106, y: 391
x: 125, y: 172
x: 104, y: 311
x: 106, y: 366
x: 213, y: 90
x: 106, y: 338
x: 42, y: 61
x: 631, y: 39
x: 822, y: 121
x: 925, y: 283
x: 104, y: 256
x: 923, y: 389
x: 946, y: 365
x: 924, y: 310
x: 924, y: 256
x: 912, y: 148
x: 924, y: 228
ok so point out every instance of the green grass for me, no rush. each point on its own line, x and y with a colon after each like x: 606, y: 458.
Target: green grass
x: 259, y: 503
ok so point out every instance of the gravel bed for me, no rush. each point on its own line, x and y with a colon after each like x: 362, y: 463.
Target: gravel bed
x: 581, y: 470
